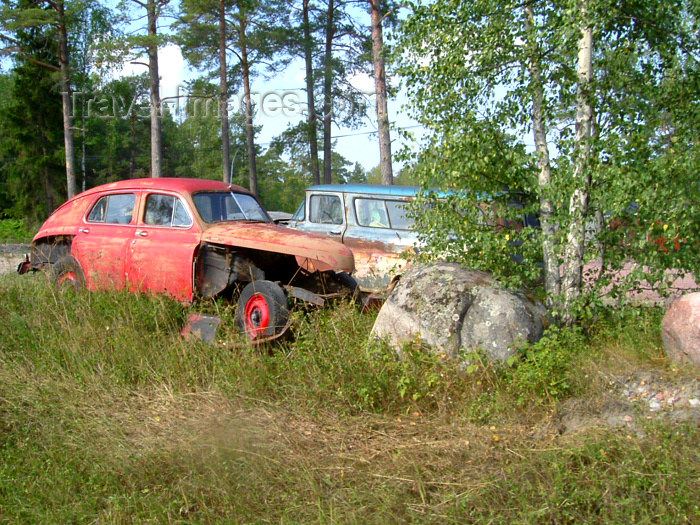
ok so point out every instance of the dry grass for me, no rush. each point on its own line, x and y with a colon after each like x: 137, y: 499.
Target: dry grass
x: 138, y: 425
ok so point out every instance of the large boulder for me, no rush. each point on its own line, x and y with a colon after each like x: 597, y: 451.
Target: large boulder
x: 454, y: 309
x: 680, y: 329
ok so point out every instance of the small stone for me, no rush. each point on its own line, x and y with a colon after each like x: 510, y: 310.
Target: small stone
x: 695, y: 402
x: 628, y: 419
x: 654, y: 406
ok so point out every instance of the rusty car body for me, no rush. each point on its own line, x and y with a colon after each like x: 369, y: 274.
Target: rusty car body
x: 371, y: 220
x: 189, y: 239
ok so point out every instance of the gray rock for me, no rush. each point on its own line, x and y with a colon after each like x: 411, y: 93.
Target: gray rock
x: 452, y: 309
x: 680, y: 329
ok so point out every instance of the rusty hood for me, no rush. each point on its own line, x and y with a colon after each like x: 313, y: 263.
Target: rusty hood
x: 313, y: 252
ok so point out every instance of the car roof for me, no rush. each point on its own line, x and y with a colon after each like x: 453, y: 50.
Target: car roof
x: 374, y: 189
x: 167, y: 184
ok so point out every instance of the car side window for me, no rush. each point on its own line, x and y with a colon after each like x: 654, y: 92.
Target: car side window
x: 166, y: 210
x: 326, y: 209
x: 372, y: 213
x: 113, y: 209
x: 398, y: 215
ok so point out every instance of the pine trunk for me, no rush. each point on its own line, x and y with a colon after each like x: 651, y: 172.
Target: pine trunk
x: 249, y: 129
x: 223, y: 102
x: 156, y: 133
x: 67, y: 101
x: 381, y: 95
x: 311, y: 118
x: 327, y: 94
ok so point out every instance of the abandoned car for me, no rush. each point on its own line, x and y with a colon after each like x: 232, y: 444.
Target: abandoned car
x: 190, y: 239
x: 372, y: 220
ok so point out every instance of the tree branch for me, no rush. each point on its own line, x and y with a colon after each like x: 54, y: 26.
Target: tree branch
x: 19, y: 51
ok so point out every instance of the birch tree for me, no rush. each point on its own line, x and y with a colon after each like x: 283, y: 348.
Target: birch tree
x: 557, y: 110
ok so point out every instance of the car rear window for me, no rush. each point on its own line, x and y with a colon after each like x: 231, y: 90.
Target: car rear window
x: 398, y: 215
x: 379, y: 213
x: 113, y: 209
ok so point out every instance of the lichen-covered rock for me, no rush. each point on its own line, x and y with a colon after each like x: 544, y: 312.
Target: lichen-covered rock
x: 680, y: 330
x: 451, y: 308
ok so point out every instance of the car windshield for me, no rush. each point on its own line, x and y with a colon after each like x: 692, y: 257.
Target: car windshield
x: 228, y: 206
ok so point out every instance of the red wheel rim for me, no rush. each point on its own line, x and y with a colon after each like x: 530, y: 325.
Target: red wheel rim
x: 257, y: 316
x: 69, y: 278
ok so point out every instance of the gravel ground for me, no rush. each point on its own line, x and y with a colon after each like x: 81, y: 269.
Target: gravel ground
x: 11, y: 255
x: 652, y: 392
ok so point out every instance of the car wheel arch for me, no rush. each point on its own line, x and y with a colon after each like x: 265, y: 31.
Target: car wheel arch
x: 47, y: 251
x: 218, y: 267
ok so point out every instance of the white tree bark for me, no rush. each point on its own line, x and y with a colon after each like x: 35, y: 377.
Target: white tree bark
x: 551, y: 261
x: 578, y: 205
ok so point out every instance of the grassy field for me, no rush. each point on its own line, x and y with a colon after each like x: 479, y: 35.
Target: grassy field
x: 108, y: 416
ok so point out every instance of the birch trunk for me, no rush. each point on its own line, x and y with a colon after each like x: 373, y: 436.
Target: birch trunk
x: 578, y: 205
x: 551, y: 264
x: 249, y: 129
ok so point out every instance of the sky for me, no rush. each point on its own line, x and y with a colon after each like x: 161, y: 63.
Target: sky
x: 280, y: 101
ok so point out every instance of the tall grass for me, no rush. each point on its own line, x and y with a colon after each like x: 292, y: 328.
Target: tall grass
x: 107, y: 415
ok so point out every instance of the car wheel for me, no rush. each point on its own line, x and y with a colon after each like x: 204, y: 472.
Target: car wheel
x: 348, y: 285
x: 262, y: 310
x: 67, y: 272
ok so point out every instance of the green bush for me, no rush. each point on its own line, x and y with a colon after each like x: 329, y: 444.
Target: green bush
x: 15, y: 230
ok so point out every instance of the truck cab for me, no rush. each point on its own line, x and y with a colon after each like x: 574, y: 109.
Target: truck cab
x: 372, y: 220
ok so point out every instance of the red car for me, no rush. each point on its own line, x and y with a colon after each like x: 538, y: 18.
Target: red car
x: 190, y: 239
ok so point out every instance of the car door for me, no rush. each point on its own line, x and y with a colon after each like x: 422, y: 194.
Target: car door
x: 102, y: 239
x: 378, y: 233
x: 161, y: 252
x: 324, y: 214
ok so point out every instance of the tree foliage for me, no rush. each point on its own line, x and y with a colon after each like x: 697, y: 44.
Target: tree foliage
x: 476, y: 74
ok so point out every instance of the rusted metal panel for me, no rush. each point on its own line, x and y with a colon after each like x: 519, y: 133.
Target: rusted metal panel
x: 323, y: 253
x: 305, y: 295
x: 376, y: 265
x: 201, y: 326
x: 159, y: 260
x: 100, y: 249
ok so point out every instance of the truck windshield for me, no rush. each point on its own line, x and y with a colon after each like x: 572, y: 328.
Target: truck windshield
x: 226, y: 206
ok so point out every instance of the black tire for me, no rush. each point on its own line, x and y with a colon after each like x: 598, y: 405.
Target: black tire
x: 349, y: 284
x: 262, y: 310
x: 67, y: 271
